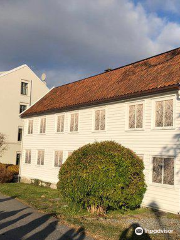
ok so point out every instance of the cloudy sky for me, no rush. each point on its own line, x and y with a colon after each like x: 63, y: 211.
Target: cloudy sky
x: 73, y: 39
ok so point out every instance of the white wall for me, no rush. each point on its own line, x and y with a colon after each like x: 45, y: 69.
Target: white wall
x: 10, y: 99
x: 148, y: 142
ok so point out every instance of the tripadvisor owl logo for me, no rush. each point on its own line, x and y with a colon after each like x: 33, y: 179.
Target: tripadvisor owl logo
x: 139, y: 231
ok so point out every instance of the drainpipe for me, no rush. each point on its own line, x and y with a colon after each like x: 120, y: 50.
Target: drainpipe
x: 30, y: 99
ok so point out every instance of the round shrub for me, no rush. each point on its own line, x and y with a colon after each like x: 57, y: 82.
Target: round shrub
x: 103, y: 175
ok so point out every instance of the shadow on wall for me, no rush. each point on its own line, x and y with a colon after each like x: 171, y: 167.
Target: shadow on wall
x: 130, y: 232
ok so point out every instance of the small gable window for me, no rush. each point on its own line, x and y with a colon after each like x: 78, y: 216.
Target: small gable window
x: 24, y: 88
x: 22, y: 108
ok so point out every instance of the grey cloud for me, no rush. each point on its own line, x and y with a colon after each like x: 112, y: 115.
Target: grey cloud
x: 73, y: 39
x: 163, y: 5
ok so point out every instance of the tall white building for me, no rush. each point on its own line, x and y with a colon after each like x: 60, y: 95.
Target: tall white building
x: 19, y: 89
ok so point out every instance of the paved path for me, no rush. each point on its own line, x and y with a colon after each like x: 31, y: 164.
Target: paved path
x: 18, y: 221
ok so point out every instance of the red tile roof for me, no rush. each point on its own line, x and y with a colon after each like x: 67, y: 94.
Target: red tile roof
x: 158, y: 73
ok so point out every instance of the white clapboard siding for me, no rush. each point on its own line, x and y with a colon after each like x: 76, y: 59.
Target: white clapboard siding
x: 148, y: 142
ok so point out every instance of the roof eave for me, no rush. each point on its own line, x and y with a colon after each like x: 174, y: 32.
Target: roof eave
x: 113, y: 99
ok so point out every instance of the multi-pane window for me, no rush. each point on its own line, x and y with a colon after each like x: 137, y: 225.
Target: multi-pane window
x: 30, y: 127
x: 58, y: 158
x: 42, y: 125
x: 60, y: 123
x: 24, y: 88
x: 40, y: 157
x: 136, y: 116
x: 163, y: 170
x: 100, y: 119
x: 74, y: 122
x: 22, y: 108
x: 28, y: 156
x: 164, y: 113
x: 19, y: 134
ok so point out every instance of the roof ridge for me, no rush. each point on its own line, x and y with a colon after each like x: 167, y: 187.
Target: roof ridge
x: 126, y: 65
x: 12, y: 70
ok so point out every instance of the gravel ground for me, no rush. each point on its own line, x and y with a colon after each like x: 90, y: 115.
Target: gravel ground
x: 150, y: 221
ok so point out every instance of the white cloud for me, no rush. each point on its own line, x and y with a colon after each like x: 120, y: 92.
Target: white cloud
x: 71, y: 39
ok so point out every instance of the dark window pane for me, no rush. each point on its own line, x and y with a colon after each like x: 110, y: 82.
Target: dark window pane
x: 18, y: 156
x: 24, y: 88
x: 157, y: 170
x: 20, y: 134
x: 22, y: 108
x: 168, y: 171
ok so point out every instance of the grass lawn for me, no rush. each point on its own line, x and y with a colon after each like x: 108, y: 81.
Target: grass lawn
x: 114, y: 225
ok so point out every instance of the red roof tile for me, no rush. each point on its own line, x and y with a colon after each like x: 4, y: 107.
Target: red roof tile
x: 151, y: 74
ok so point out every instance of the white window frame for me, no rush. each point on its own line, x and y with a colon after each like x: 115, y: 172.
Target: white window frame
x: 25, y: 156
x: 25, y: 104
x: 28, y: 83
x: 153, y: 115
x: 93, y: 118
x: 28, y: 126
x: 162, y: 184
x: 127, y: 115
x: 54, y: 158
x: 69, y: 122
x: 40, y: 165
x: 56, y: 122
x: 40, y: 125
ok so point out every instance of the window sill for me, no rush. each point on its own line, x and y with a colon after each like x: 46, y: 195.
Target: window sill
x: 135, y: 130
x: 60, y: 132
x: 163, y: 128
x: 57, y: 168
x: 41, y: 133
x: 73, y: 132
x: 99, y: 131
x: 162, y: 185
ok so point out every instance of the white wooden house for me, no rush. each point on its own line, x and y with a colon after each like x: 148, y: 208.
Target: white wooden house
x: 137, y: 105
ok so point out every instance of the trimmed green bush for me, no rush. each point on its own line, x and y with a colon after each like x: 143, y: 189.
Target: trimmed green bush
x: 103, y: 175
